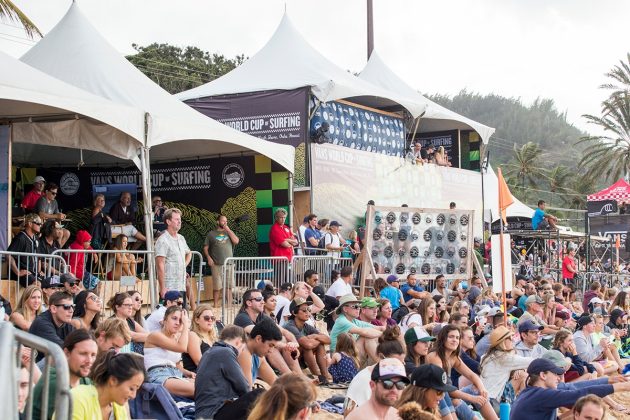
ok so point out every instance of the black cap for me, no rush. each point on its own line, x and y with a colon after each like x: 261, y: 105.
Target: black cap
x: 51, y: 283
x: 68, y: 278
x: 431, y: 376
x: 285, y: 287
x: 543, y: 365
x: 584, y: 321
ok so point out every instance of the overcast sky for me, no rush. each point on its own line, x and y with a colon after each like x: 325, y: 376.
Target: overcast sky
x: 557, y: 49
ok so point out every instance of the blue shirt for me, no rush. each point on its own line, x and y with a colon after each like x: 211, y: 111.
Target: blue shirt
x: 393, y: 294
x: 311, y: 233
x: 405, y: 288
x: 538, y: 217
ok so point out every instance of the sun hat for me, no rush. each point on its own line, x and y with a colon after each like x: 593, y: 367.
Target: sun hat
x: 346, y: 299
x: 499, y: 335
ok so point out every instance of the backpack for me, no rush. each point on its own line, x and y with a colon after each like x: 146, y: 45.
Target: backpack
x: 153, y: 401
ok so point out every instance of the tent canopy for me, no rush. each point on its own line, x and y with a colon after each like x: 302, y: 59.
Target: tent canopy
x: 491, y: 198
x: 75, y: 52
x: 436, y: 117
x: 45, y: 110
x: 620, y: 190
x: 287, y: 62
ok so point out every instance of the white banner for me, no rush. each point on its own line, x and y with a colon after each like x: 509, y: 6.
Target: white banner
x: 496, y: 263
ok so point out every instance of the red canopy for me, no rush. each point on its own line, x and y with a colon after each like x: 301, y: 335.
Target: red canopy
x: 620, y: 190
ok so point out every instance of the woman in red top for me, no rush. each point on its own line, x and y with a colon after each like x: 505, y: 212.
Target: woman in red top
x: 568, y: 267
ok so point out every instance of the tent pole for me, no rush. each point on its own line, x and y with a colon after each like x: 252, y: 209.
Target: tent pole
x: 145, y: 169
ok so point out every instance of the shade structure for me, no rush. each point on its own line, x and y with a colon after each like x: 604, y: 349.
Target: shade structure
x: 436, y: 117
x: 46, y: 111
x: 288, y: 62
x: 491, y: 198
x: 75, y: 52
x: 620, y: 190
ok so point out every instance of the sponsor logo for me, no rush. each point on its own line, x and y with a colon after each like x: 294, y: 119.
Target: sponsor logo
x: 69, y: 183
x: 233, y: 175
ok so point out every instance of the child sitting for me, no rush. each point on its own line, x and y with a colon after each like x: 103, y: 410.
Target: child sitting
x: 344, y: 364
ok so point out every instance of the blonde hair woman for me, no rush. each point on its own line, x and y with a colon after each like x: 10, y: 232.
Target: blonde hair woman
x: 29, y: 306
x: 204, y: 334
x: 441, y: 159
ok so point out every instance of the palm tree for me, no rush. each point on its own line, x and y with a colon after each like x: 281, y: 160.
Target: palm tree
x: 558, y: 178
x: 525, y: 164
x: 581, y: 187
x: 609, y: 155
x: 621, y: 75
x: 10, y: 11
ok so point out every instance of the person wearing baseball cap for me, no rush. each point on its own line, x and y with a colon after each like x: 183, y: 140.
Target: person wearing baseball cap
x: 429, y: 384
x: 533, y: 306
x: 388, y: 380
x: 31, y: 197
x: 365, y: 334
x: 590, y: 351
x: 418, y: 342
x: 171, y: 298
x: 369, y: 310
x: 392, y: 293
x: 333, y: 242
x: 530, y: 335
x: 542, y: 397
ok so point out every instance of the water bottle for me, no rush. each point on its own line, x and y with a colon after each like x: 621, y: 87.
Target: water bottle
x: 504, y: 410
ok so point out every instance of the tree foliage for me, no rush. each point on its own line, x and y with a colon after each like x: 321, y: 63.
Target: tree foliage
x: 10, y: 11
x: 177, y: 69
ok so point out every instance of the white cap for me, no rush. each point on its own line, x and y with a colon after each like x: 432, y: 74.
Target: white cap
x: 596, y: 300
x: 39, y: 178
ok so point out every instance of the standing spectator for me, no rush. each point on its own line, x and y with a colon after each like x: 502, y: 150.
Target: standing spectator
x: 172, y: 255
x: 301, y: 234
x: 290, y: 397
x: 203, y: 333
x: 333, y: 242
x: 218, y: 247
x: 281, y: 239
x: 28, y: 308
x: 158, y: 215
x: 221, y: 389
x: 388, y: 379
x: 365, y: 334
x: 100, y: 224
x: 343, y: 285
x: 569, y: 268
x: 27, y: 269
x: 116, y: 378
x: 312, y: 235
x: 542, y: 220
x: 123, y: 213
x: 30, y: 199
x: 589, y: 407
x: 48, y: 208
x: 413, y: 290
x: 54, y: 324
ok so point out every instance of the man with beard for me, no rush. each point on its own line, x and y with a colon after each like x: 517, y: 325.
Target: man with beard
x: 388, y: 382
x: 80, y: 350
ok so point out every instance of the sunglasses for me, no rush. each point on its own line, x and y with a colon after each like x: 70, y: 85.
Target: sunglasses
x: 179, y: 303
x: 138, y: 300
x: 354, y: 306
x: 387, y: 384
x: 37, y: 223
x: 305, y: 310
x: 53, y: 192
x: 66, y: 306
x: 94, y: 298
x: 257, y: 299
x: 209, y: 318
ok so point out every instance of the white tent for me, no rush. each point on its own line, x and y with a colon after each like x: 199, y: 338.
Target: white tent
x: 436, y: 117
x: 491, y: 198
x: 287, y: 62
x: 75, y: 52
x: 44, y: 110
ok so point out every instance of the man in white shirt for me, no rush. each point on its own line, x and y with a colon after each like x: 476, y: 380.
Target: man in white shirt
x: 343, y: 285
x: 333, y: 241
x: 172, y: 255
x: 283, y: 299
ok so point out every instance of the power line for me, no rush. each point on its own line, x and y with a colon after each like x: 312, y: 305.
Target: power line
x: 15, y: 40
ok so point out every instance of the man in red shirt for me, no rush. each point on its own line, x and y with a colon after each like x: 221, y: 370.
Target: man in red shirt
x: 31, y: 197
x: 281, y: 239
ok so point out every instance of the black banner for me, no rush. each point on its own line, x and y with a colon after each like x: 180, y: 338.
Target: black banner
x: 601, y: 208
x: 610, y: 226
x: 448, y: 139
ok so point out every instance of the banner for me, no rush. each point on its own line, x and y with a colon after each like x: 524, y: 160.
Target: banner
x: 247, y: 189
x: 496, y: 263
x: 448, y: 139
x: 601, y: 208
x: 5, y: 167
x: 609, y: 226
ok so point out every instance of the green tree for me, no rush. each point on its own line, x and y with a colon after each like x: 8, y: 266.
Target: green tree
x: 581, y: 187
x: 620, y: 74
x: 10, y: 11
x: 177, y: 69
x: 525, y: 165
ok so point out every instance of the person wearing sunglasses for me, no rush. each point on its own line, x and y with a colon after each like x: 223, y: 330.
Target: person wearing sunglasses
x: 47, y: 207
x: 54, y: 324
x: 365, y: 334
x: 429, y: 384
x: 203, y: 334
x: 26, y: 269
x: 388, y: 381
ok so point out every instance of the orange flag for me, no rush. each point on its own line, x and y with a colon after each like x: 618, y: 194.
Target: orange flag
x: 505, y: 197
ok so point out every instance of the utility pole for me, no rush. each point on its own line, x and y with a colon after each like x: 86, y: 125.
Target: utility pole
x: 370, y: 28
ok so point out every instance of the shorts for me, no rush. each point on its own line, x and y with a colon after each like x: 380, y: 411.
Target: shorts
x: 90, y: 281
x: 129, y: 231
x: 544, y: 225
x: 217, y: 276
x: 462, y: 411
x: 159, y: 374
x: 568, y: 282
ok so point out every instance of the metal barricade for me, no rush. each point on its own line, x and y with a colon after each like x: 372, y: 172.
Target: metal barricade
x: 116, y: 270
x: 195, y: 271
x: 14, y: 267
x: 12, y: 341
x: 242, y: 274
x: 321, y: 264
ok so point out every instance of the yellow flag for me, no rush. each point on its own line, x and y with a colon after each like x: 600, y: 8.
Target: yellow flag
x: 505, y: 197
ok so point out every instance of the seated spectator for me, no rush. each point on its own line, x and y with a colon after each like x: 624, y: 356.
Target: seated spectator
x: 23, y: 388
x: 304, y: 291
x: 54, y: 324
x: 441, y: 158
x: 51, y: 233
x: 154, y: 321
x: 612, y: 336
x: 590, y: 351
x: 112, y: 334
x: 203, y: 334
x: 533, y: 307
x: 122, y: 213
x: 312, y: 342
x: 418, y: 342
x: 158, y: 215
x: 87, y: 313
x: 311, y: 277
x: 384, y: 314
x: 542, y: 220
x: 440, y: 287
x: 136, y: 309
x: 441, y: 311
x: 493, y: 318
x: 71, y: 284
x: 542, y: 397
x: 28, y: 308
x: 579, y: 369
x: 589, y: 407
x: 30, y: 198
x: 48, y: 288
x: 100, y: 224
x: 270, y: 303
x: 264, y: 336
x: 283, y: 299
x: 116, y: 379
x: 423, y: 316
x: 369, y: 310
x: 365, y: 334
x: 77, y: 260
x: 591, y: 293
x: 461, y: 307
x: 344, y: 363
x: 469, y: 356
x: 80, y: 350
x: 221, y: 389
x: 429, y: 384
x: 290, y: 397
x: 387, y: 382
x: 458, y: 320
x: 530, y: 335
x: 162, y: 353
x: 343, y: 285
x: 48, y: 208
x: 392, y: 293
x: 122, y: 306
x: 26, y: 270
x: 412, y: 289
x: 123, y: 263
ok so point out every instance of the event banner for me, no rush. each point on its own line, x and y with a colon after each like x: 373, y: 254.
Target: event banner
x: 276, y: 115
x: 448, y: 139
x: 360, y: 129
x: 601, y: 208
x: 5, y: 167
x: 246, y: 189
x: 610, y: 226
